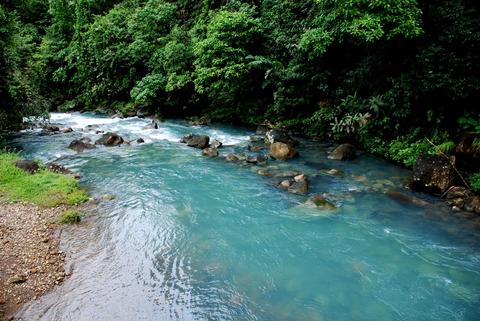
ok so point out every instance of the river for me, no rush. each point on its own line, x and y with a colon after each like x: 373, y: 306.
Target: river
x: 194, y: 238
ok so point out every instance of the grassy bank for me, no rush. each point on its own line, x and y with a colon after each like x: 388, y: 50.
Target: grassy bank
x: 43, y: 188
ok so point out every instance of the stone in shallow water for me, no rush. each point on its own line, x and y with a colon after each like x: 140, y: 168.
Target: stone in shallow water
x: 298, y: 188
x: 282, y: 151
x: 210, y: 152
x: 79, y: 145
x: 110, y: 139
x: 403, y: 198
x: 197, y: 141
x: 319, y: 202
x: 216, y: 144
x: 231, y: 158
x: 343, y: 152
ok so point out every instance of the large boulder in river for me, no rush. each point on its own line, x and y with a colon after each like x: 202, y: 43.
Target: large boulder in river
x: 279, y: 135
x: 197, y: 141
x: 433, y: 173
x: 343, y: 152
x: 282, y: 151
x: 210, y: 152
x: 110, y: 139
x: 79, y: 145
x: 27, y: 165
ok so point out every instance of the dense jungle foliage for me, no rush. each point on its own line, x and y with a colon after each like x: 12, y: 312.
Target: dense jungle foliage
x: 386, y: 75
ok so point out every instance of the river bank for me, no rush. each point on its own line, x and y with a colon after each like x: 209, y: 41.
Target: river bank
x: 30, y: 257
x: 35, y: 200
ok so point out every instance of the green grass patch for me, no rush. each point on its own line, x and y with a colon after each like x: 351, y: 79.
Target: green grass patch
x: 69, y: 217
x: 43, y: 188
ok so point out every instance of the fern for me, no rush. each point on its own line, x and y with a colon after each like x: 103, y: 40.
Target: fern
x: 445, y: 147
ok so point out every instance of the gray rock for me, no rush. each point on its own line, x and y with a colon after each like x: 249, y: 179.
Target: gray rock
x: 216, y: 144
x: 210, y: 152
x: 299, y: 187
x: 231, y: 158
x: 343, y: 152
x: 110, y: 139
x: 79, y: 145
x: 256, y: 159
x: 27, y: 165
x: 197, y: 141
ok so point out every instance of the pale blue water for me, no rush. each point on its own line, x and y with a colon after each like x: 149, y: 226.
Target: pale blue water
x: 192, y: 238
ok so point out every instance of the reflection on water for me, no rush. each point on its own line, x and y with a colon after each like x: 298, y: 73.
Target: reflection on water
x: 192, y: 238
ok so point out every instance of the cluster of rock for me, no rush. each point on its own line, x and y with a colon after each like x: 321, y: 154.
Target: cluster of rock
x: 32, y: 167
x: 436, y: 174
x: 271, y: 144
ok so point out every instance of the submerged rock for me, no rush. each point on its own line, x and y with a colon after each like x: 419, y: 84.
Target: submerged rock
x: 335, y: 172
x: 231, y: 158
x: 67, y: 130
x: 319, y: 202
x: 403, y: 198
x: 343, y: 152
x: 282, y: 151
x: 256, y: 159
x: 210, y: 152
x: 433, y: 174
x: 79, y: 145
x: 197, y: 141
x: 110, y: 139
x: 28, y: 166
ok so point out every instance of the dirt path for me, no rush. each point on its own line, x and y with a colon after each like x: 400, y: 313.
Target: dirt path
x: 30, y: 260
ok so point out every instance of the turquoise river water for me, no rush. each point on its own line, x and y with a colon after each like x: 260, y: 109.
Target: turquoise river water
x: 194, y: 238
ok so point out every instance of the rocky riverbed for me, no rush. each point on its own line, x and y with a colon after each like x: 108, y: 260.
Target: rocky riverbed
x: 31, y: 262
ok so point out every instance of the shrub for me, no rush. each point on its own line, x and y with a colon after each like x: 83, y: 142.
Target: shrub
x: 69, y: 217
x: 474, y: 180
